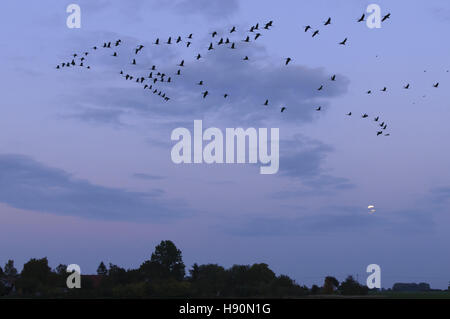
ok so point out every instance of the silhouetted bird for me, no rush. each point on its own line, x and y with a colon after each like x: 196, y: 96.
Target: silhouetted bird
x: 200, y: 83
x: 283, y: 109
x: 210, y: 47
x: 198, y: 56
x: 288, y: 60
x: 179, y: 39
x: 384, y: 89
x: 406, y: 86
x: 157, y: 41
x: 387, y: 16
x: 233, y: 30
x: 307, y: 28
x: 169, y: 41
x: 320, y: 88
x: 266, y: 103
x: 343, y: 42
x: 246, y: 58
x: 328, y: 22
x: 315, y: 33
x: 436, y: 85
x: 333, y: 78
x: 182, y: 63
x: 362, y: 18
x: 257, y: 36
x: 379, y: 133
x: 365, y: 116
x: 205, y: 94
x: 214, y: 34
x: 319, y: 108
x: 349, y: 114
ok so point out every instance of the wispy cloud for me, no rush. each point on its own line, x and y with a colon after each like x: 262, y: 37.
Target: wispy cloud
x: 27, y: 184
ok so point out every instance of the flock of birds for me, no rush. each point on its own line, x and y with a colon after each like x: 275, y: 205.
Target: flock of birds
x: 157, y: 76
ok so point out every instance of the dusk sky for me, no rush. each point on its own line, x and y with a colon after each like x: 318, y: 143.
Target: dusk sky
x: 86, y: 173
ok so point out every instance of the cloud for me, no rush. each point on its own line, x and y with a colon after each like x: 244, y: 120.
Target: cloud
x: 302, y: 159
x: 332, y: 220
x: 147, y: 177
x: 27, y: 184
x: 218, y: 9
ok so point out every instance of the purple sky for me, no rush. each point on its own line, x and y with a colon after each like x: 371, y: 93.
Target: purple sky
x: 85, y: 167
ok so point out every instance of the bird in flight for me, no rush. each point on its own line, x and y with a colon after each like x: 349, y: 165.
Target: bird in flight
x: 365, y: 116
x: 307, y: 28
x: 384, y: 89
x: 205, y: 94
x: 283, y: 109
x: 233, y: 30
x: 406, y: 86
x: 362, y: 18
x: 333, y: 78
x: 320, y: 88
x: 387, y: 16
x: 319, y: 108
x: 315, y: 33
x: 266, y: 103
x: 328, y: 22
x: 288, y: 60
x: 349, y: 114
x: 343, y: 42
x: 436, y: 85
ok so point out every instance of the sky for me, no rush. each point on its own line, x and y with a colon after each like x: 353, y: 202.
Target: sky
x: 85, y: 168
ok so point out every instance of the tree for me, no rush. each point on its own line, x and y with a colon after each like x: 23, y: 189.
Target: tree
x: 195, y: 270
x: 315, y: 290
x: 329, y: 285
x: 36, y: 276
x: 351, y: 287
x: 10, y: 271
x: 102, y: 270
x: 61, y: 270
x: 169, y: 260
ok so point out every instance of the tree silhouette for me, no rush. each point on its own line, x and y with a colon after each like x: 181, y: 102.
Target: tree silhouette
x: 351, y: 287
x: 9, y: 270
x: 102, y: 270
x: 169, y: 260
x: 329, y: 285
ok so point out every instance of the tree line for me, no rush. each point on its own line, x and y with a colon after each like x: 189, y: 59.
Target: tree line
x: 164, y: 276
